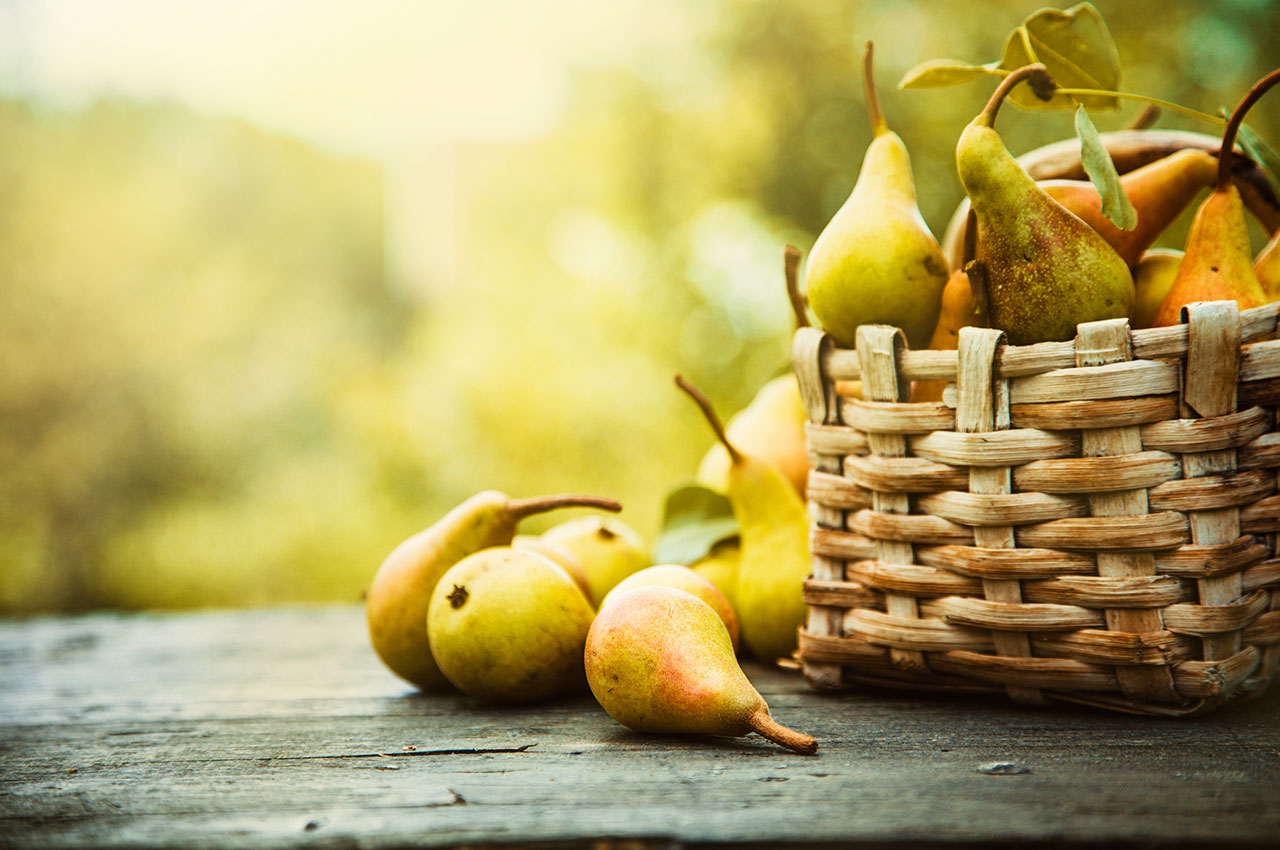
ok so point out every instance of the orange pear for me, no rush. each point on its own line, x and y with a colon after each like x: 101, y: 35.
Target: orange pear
x: 1159, y: 192
x: 959, y: 310
x: 1218, y: 261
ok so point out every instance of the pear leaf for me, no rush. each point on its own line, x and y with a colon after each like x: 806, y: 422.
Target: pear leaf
x: 1077, y: 48
x: 939, y: 73
x: 694, y: 519
x: 1260, y: 152
x: 1102, y: 171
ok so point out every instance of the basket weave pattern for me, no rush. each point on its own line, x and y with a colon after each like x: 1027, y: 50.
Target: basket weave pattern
x: 1093, y: 521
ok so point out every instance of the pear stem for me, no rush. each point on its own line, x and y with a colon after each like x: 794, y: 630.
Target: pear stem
x: 767, y: 727
x: 713, y: 420
x: 521, y: 508
x: 878, y: 125
x: 1036, y: 74
x: 1233, y: 125
x: 791, y: 269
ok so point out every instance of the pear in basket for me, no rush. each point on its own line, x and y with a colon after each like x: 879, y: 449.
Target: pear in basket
x: 876, y: 261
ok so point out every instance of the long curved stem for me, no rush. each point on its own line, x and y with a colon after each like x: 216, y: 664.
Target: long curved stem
x: 791, y: 271
x: 713, y: 419
x: 1237, y: 117
x: 521, y: 508
x: 1035, y: 74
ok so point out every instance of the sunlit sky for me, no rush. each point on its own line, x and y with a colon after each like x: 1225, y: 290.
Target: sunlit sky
x: 365, y: 77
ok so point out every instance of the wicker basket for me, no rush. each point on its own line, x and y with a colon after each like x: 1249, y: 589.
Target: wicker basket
x: 1092, y: 521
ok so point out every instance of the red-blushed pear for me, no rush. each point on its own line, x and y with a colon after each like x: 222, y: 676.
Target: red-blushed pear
x: 1218, y: 261
x: 659, y: 659
x: 1159, y: 191
x: 1046, y: 270
x: 397, y: 602
x: 774, y: 538
x: 681, y: 578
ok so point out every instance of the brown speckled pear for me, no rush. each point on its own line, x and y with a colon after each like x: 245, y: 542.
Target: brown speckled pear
x: 1046, y: 269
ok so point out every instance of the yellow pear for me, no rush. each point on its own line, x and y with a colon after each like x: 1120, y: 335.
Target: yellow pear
x: 660, y: 660
x: 720, y: 567
x: 607, y: 549
x: 557, y: 553
x: 682, y: 578
x: 397, y: 600
x: 1152, y: 277
x: 771, y: 427
x: 509, y: 625
x: 774, y: 536
x: 876, y: 261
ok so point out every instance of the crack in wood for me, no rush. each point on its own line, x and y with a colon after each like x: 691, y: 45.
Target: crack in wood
x: 468, y: 751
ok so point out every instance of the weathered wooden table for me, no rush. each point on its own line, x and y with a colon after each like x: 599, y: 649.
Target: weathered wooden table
x: 279, y: 728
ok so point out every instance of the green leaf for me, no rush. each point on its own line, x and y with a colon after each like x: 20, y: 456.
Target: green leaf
x: 694, y: 519
x: 1260, y: 152
x: 1102, y: 171
x: 939, y: 73
x: 1077, y: 48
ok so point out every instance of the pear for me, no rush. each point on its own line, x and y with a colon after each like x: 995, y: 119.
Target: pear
x: 509, y: 625
x: 397, y: 600
x: 771, y: 427
x: 558, y: 554
x: 1218, y: 261
x: 1046, y: 269
x: 681, y: 578
x: 876, y: 261
x: 774, y: 536
x: 607, y: 549
x: 1159, y: 191
x: 659, y: 659
x: 720, y: 567
x: 1267, y: 267
x: 1152, y: 277
x: 959, y: 310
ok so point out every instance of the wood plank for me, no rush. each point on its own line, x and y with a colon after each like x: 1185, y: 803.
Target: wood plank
x: 279, y: 729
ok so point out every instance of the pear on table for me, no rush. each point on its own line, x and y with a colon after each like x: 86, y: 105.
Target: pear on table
x: 398, y: 598
x: 606, y: 549
x: 508, y: 625
x: 658, y: 659
x: 686, y: 579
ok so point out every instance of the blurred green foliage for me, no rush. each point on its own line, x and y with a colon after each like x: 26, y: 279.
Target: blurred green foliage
x: 213, y: 393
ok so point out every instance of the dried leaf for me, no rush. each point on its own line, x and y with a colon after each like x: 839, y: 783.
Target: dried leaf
x: 694, y: 519
x: 939, y: 73
x: 1102, y: 171
x: 1077, y: 48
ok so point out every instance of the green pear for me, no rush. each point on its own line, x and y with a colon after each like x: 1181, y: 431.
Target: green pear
x: 720, y: 567
x: 397, y: 600
x: 681, y: 578
x: 876, y: 261
x: 1046, y: 269
x: 774, y: 539
x: 509, y: 625
x: 659, y: 659
x: 607, y: 549
x: 771, y: 427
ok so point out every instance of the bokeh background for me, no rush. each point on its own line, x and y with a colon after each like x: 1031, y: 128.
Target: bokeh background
x: 282, y: 282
